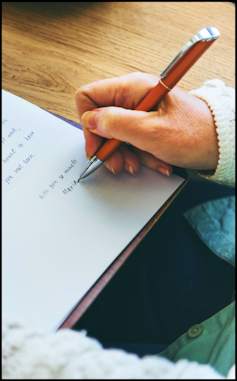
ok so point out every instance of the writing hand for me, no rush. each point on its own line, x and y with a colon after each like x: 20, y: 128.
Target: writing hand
x: 179, y: 131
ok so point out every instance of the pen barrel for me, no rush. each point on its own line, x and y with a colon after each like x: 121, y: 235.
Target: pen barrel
x: 107, y: 149
x: 188, y: 59
x: 153, y: 98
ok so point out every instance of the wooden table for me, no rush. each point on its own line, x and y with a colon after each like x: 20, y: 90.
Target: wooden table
x: 49, y: 49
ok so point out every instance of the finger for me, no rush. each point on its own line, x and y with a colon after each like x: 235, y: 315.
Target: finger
x: 130, y: 160
x: 115, y: 162
x: 92, y: 142
x: 152, y: 162
x: 120, y: 92
x: 123, y: 158
x: 145, y: 130
x: 113, y: 122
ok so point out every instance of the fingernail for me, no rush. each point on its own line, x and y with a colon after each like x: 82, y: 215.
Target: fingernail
x: 87, y: 156
x: 112, y: 169
x: 88, y: 119
x: 164, y: 171
x: 131, y: 170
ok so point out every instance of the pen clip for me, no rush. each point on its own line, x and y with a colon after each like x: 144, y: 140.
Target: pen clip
x: 205, y: 34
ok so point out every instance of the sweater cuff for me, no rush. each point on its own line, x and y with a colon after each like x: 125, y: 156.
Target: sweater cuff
x: 221, y: 101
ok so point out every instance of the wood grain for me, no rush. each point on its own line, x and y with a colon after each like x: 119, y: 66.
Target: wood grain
x: 51, y: 49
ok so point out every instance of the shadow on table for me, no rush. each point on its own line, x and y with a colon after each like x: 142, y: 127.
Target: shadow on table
x: 52, y: 8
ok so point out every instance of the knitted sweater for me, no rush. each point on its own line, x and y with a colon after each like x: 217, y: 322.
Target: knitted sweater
x: 28, y: 353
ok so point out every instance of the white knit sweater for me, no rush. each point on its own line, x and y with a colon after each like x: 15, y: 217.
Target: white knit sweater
x: 28, y: 353
x: 221, y: 101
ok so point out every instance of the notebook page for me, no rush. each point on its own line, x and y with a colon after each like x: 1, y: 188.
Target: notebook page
x: 59, y: 236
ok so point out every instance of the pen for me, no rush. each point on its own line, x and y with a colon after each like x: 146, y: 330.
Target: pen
x: 177, y: 68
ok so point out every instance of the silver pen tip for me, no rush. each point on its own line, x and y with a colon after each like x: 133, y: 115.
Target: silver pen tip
x: 79, y: 179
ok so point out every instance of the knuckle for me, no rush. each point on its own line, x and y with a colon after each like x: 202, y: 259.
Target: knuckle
x: 78, y: 93
x: 81, y: 92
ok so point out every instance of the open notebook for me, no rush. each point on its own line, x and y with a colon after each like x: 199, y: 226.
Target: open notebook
x: 59, y: 235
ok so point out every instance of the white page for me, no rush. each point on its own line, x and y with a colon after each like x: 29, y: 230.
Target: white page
x: 59, y: 236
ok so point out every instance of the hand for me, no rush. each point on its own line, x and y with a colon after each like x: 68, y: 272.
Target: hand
x: 180, y: 131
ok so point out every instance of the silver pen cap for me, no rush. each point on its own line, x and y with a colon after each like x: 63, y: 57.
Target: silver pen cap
x: 90, y: 167
x: 204, y: 35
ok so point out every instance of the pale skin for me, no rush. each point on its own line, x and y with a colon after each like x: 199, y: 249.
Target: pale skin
x: 179, y: 131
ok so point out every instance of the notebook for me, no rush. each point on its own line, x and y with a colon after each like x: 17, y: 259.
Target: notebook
x: 59, y: 236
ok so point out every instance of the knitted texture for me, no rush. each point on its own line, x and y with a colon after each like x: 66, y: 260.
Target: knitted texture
x: 28, y: 353
x: 221, y: 101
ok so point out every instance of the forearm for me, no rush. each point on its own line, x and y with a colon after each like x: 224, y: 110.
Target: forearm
x: 221, y: 101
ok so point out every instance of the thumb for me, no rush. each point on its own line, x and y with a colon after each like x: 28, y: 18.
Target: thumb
x: 130, y: 126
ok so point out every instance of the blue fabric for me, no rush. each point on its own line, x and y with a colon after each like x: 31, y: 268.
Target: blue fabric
x: 214, y: 222
x: 171, y: 281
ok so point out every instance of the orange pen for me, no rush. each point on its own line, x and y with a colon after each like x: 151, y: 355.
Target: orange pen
x: 177, y: 68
